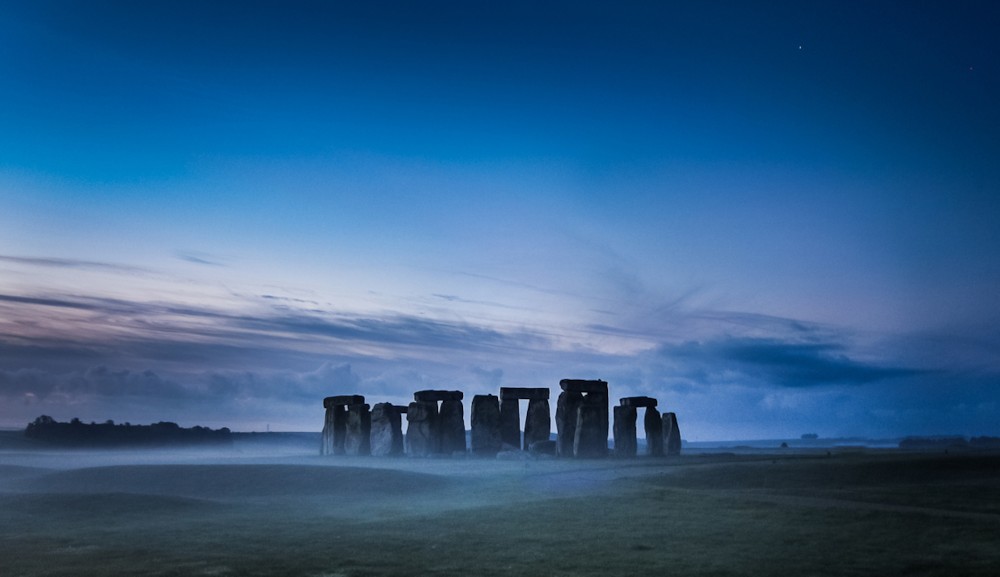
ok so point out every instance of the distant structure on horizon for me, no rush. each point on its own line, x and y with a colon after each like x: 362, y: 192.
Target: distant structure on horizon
x: 436, y: 424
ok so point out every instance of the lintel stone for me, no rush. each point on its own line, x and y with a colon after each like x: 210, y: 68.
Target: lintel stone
x: 528, y: 393
x: 435, y: 395
x: 638, y: 402
x: 584, y: 386
x: 343, y: 400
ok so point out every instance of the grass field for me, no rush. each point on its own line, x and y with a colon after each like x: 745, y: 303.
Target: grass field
x: 885, y: 513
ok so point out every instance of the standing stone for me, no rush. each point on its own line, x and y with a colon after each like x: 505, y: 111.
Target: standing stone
x: 451, y: 423
x: 600, y: 398
x: 510, y: 423
x: 486, y: 439
x: 339, y: 428
x: 387, y: 430
x: 537, y: 422
x: 422, y: 438
x: 589, y: 440
x: 653, y: 424
x: 566, y: 410
x: 671, y: 434
x: 357, y: 430
x: 625, y: 437
x: 357, y: 441
x: 594, y: 408
x: 326, y: 443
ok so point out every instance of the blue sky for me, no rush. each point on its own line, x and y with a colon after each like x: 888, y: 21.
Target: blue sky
x: 776, y: 219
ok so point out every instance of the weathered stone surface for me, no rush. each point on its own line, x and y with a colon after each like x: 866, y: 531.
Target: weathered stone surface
x: 422, y: 437
x: 671, y: 434
x: 339, y: 428
x: 343, y: 400
x: 510, y: 423
x: 591, y: 438
x: 451, y: 423
x: 545, y: 448
x: 653, y: 424
x: 435, y: 395
x: 566, y: 413
x: 537, y: 422
x: 486, y: 439
x: 387, y: 430
x: 357, y: 441
x: 600, y: 399
x: 584, y: 386
x: 528, y: 393
x: 625, y: 437
x: 326, y: 440
x: 402, y: 409
x: 638, y: 402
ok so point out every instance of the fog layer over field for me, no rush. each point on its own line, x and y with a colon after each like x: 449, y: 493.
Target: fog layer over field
x: 280, y: 509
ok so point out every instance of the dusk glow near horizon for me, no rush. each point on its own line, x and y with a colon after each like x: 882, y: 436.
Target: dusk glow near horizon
x: 777, y: 218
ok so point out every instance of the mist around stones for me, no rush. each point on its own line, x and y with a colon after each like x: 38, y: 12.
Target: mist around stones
x: 592, y: 498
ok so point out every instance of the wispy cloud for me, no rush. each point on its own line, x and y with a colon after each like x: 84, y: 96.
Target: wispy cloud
x: 198, y: 257
x: 491, y: 377
x: 461, y: 300
x: 68, y: 263
x: 292, y: 300
x: 184, y: 333
x: 46, y: 302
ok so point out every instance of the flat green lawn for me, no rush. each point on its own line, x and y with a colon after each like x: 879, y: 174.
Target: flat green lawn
x: 846, y: 515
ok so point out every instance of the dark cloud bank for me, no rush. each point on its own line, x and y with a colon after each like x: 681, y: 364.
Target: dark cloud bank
x: 786, y: 364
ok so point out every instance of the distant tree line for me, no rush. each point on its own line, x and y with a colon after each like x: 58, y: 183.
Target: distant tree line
x: 106, y: 434
x: 954, y: 442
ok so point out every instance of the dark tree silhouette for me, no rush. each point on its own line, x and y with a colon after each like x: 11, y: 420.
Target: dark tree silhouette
x: 76, y: 433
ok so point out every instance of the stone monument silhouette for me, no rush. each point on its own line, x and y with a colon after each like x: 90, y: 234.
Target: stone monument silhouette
x: 436, y: 424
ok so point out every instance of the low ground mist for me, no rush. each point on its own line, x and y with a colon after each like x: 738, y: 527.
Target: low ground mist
x: 266, y: 508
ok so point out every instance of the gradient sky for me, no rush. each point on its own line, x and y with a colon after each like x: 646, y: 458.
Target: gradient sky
x: 776, y: 218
